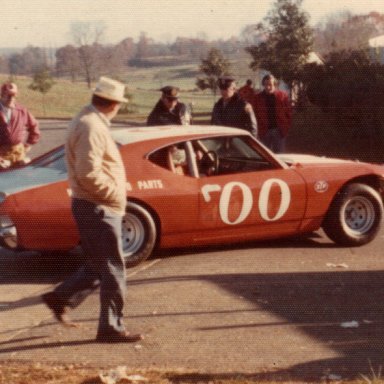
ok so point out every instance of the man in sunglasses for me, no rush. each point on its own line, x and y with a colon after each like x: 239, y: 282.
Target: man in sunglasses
x: 231, y: 110
x: 168, y: 110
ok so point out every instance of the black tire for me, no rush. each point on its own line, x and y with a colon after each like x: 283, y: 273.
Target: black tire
x: 139, y: 234
x: 355, y: 215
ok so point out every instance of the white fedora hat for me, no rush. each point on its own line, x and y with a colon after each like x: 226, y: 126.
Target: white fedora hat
x: 110, y: 89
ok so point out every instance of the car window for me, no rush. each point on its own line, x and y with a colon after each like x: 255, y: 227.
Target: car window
x: 228, y: 155
x: 52, y: 160
x: 172, y: 158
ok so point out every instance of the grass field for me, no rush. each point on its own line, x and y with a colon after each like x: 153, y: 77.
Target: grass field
x: 65, y: 98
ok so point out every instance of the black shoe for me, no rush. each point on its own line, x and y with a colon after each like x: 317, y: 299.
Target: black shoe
x: 119, y: 337
x: 57, y: 306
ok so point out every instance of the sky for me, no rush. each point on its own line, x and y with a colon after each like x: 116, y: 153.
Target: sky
x: 47, y: 23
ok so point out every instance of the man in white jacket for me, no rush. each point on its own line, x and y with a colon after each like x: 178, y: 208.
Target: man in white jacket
x: 97, y: 178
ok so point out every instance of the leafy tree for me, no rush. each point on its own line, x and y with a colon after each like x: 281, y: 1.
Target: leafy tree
x: 347, y: 82
x: 287, y: 41
x: 213, y: 66
x: 349, y: 88
x: 42, y: 82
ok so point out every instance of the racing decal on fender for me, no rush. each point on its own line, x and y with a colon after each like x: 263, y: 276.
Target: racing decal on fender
x: 150, y: 184
x: 225, y: 198
x: 321, y: 186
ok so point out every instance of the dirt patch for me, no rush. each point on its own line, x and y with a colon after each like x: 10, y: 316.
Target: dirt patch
x: 12, y: 372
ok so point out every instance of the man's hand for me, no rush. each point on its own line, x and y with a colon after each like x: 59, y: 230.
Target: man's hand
x: 4, y: 163
x: 248, y: 108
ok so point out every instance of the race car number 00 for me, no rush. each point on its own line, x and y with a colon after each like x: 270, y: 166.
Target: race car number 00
x: 246, y: 208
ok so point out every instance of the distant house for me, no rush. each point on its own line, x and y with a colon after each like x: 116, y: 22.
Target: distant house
x: 376, y: 45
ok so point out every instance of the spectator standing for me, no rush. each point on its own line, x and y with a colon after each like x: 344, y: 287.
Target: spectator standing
x: 98, y: 183
x: 231, y: 110
x: 19, y: 130
x: 273, y: 113
x: 246, y: 92
x: 168, y: 110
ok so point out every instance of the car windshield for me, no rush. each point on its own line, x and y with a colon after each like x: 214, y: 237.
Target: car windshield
x: 212, y: 157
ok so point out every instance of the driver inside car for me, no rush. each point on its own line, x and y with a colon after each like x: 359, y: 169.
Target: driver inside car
x: 177, y: 160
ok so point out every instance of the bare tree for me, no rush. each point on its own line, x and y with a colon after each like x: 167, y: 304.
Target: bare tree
x: 343, y: 31
x: 87, y: 33
x: 68, y: 62
x: 30, y: 60
x: 87, y: 37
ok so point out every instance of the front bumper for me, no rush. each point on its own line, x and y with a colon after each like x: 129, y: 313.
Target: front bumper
x: 8, y: 233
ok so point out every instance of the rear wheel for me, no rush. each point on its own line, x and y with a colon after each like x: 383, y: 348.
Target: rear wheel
x: 139, y: 234
x: 355, y: 215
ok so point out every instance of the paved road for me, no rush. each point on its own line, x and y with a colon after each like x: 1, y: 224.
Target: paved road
x: 271, y: 306
x: 53, y: 134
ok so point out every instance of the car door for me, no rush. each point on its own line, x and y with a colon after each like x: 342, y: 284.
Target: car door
x: 249, y: 196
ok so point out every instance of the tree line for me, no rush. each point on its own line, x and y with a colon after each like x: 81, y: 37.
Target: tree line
x: 277, y: 44
x: 280, y: 44
x: 88, y: 58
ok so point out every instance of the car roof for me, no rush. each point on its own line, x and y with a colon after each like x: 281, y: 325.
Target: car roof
x: 133, y: 135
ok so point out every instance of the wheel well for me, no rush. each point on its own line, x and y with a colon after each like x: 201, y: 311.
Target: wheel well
x: 155, y: 216
x: 373, y: 181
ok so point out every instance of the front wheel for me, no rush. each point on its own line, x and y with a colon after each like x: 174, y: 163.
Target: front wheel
x: 139, y: 234
x: 355, y: 215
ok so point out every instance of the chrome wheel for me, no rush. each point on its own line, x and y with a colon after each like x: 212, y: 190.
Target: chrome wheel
x: 139, y: 234
x: 354, y: 217
x: 359, y: 215
x: 133, y: 234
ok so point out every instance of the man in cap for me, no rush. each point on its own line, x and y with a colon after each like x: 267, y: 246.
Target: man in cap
x: 246, y: 92
x: 232, y: 111
x: 98, y: 182
x: 18, y: 128
x: 168, y: 110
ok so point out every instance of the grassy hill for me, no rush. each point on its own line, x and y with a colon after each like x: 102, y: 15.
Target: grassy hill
x: 65, y: 98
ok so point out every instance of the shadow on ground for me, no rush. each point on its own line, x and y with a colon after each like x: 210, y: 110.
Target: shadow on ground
x: 317, y: 304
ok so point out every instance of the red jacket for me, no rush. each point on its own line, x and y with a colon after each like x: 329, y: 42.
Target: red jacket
x: 22, y: 127
x: 283, y: 112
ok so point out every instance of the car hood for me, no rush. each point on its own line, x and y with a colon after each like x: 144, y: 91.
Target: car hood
x: 17, y: 180
x: 294, y: 158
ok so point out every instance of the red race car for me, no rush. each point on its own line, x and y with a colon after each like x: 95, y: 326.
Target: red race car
x: 199, y: 185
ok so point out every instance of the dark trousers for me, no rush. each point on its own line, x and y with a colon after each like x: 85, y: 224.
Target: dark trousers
x: 274, y: 140
x: 100, y: 235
